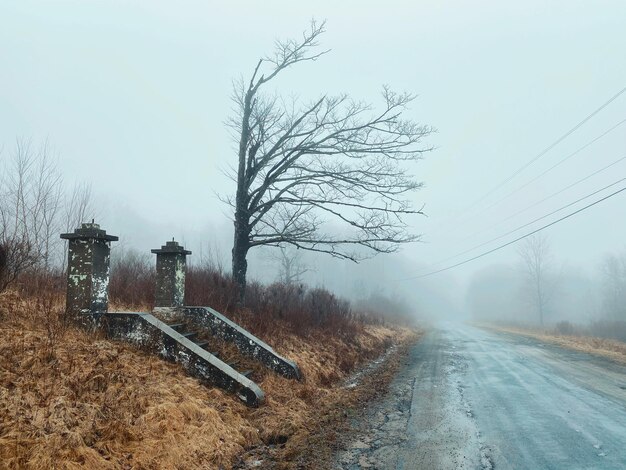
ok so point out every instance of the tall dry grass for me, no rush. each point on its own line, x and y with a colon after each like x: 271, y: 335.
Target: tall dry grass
x: 70, y: 399
x: 570, y: 339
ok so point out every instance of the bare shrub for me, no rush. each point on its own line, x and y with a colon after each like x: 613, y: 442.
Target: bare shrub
x: 615, y: 329
x: 296, y: 306
x: 132, y: 279
x: 209, y: 285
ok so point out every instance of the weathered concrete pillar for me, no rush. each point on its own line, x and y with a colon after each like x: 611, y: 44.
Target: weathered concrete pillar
x: 88, y: 273
x: 170, y: 275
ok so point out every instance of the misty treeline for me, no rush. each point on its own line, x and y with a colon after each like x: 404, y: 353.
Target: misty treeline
x: 543, y: 291
x: 36, y: 205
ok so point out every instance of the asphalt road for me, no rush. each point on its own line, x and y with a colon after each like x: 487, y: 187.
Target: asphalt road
x: 468, y: 398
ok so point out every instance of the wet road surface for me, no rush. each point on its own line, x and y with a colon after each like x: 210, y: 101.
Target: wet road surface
x: 469, y: 398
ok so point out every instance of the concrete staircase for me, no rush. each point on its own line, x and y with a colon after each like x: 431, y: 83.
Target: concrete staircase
x: 173, y: 343
x: 206, y: 319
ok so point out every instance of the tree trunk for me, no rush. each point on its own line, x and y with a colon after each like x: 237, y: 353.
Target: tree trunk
x: 241, y: 246
x: 540, y: 301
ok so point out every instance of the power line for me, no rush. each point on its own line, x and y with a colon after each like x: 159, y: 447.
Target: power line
x: 550, y: 147
x: 533, y: 221
x: 517, y: 239
x: 575, y: 183
x: 542, y: 153
x: 560, y: 162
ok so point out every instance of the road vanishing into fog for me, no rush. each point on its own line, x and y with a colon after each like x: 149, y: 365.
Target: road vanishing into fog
x: 468, y: 398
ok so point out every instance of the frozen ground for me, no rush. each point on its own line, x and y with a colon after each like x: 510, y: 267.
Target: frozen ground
x: 471, y: 399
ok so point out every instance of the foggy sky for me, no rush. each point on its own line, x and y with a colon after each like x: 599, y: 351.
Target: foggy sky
x: 133, y: 96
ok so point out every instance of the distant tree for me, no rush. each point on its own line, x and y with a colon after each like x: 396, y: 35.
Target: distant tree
x: 29, y: 206
x: 334, y: 159
x: 614, y: 287
x: 34, y: 210
x: 291, y: 268
x: 537, y: 264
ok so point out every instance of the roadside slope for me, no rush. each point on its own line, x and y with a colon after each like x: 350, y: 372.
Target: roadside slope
x: 71, y: 399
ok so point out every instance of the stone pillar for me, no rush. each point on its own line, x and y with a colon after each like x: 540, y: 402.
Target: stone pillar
x: 88, y: 273
x: 170, y: 275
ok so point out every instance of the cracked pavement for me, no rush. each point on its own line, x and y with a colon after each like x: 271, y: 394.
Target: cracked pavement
x: 466, y: 398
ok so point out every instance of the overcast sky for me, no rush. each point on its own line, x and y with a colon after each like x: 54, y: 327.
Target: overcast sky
x: 133, y: 96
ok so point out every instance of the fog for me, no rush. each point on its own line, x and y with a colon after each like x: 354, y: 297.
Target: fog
x: 132, y: 98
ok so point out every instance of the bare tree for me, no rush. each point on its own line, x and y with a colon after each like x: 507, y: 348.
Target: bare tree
x: 20, y: 250
x: 45, y: 205
x: 614, y: 287
x: 304, y: 170
x: 537, y: 264
x: 290, y: 265
x: 31, y: 208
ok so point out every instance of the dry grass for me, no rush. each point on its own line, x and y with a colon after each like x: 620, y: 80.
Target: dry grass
x: 69, y: 399
x: 305, y: 412
x: 85, y: 401
x: 610, y: 348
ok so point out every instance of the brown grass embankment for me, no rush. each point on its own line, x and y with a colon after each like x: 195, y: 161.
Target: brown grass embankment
x: 69, y: 399
x: 609, y: 348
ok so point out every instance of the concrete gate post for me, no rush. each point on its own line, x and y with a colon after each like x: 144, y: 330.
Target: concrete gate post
x: 171, y: 265
x: 88, y: 273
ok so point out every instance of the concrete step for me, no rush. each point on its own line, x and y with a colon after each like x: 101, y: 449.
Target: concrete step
x: 150, y: 333
x: 175, y: 326
x: 206, y: 318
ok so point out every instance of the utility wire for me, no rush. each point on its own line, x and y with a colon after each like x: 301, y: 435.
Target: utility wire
x: 560, y: 162
x: 546, y: 150
x: 550, y: 147
x: 517, y: 239
x: 575, y: 183
x: 533, y: 221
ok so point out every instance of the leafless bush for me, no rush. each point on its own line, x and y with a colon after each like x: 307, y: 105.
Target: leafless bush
x: 132, y: 279
x: 209, y: 285
x: 297, y: 306
x: 17, y: 256
x: 615, y: 329
x: 301, y: 308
